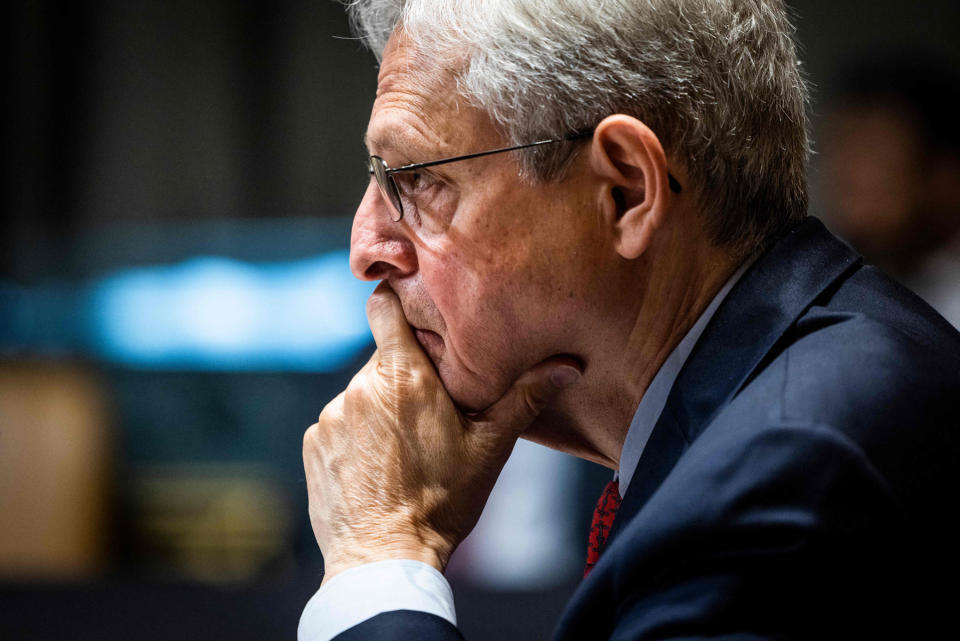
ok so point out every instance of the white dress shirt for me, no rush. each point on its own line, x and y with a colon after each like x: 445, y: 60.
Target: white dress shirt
x: 357, y: 594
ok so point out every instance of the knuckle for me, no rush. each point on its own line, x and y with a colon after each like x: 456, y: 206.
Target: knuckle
x: 356, y: 395
x: 310, y: 437
x: 364, y: 378
x: 333, y: 409
x: 332, y: 413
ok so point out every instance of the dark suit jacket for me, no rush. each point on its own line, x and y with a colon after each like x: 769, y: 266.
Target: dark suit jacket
x: 801, y: 480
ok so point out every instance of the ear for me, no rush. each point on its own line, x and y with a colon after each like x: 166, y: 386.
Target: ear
x: 632, y: 165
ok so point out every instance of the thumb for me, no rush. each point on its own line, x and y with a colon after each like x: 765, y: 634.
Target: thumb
x: 390, y: 329
x: 528, y: 395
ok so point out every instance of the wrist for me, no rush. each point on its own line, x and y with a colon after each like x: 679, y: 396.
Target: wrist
x: 339, y: 561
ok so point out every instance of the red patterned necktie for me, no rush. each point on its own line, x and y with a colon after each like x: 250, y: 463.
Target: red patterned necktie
x: 603, y: 516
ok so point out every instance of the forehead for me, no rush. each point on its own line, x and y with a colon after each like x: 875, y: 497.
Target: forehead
x: 418, y: 110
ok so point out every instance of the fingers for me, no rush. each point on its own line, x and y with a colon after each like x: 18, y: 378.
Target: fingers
x: 390, y: 328
x: 529, y: 395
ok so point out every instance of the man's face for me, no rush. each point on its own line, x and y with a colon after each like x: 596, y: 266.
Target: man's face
x: 494, y: 275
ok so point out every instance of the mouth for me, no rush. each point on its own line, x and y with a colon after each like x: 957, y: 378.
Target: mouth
x: 431, y: 342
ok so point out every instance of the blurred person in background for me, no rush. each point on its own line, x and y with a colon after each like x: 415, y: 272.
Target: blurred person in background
x: 589, y: 221
x: 890, y: 172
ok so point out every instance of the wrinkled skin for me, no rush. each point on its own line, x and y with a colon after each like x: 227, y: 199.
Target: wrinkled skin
x: 394, y: 469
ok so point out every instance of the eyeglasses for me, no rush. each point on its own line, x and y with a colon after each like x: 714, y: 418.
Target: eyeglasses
x: 384, y: 174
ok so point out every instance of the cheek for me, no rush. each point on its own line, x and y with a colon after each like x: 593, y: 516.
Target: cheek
x: 500, y: 283
x: 477, y: 299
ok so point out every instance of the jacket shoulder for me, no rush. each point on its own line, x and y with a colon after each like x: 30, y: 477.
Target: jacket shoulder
x: 880, y: 368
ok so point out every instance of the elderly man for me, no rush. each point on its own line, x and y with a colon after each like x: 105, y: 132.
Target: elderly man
x: 588, y: 220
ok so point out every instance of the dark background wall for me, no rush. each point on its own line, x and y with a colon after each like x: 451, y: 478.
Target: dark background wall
x: 140, y: 111
x: 145, y: 132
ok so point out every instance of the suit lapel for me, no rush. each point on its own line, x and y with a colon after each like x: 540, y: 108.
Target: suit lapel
x: 756, y: 314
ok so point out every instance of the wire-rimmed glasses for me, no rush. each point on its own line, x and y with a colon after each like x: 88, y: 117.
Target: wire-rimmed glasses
x: 383, y: 173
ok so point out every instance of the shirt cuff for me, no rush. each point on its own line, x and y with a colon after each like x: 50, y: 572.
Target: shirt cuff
x: 357, y: 594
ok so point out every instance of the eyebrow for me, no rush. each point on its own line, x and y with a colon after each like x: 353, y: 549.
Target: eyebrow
x: 401, y: 145
x: 368, y: 142
x: 389, y: 140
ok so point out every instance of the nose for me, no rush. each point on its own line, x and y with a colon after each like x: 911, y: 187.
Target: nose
x: 379, y: 247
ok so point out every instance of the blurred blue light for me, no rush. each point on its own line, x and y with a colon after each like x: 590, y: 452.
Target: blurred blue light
x: 212, y: 313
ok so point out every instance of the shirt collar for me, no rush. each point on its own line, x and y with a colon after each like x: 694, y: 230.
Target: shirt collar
x: 655, y: 397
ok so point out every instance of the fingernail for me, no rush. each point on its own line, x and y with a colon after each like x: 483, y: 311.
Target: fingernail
x: 564, y: 375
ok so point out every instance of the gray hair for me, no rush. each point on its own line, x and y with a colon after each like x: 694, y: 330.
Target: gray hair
x: 718, y: 81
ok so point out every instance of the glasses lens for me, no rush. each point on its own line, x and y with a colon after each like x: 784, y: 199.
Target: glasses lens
x: 387, y: 187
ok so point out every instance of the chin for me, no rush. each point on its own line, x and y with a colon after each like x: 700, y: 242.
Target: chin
x: 467, y: 393
x: 471, y: 402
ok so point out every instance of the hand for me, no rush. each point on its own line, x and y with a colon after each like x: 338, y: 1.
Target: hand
x: 394, y: 470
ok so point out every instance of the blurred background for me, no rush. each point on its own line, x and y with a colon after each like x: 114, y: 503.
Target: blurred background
x: 176, y: 306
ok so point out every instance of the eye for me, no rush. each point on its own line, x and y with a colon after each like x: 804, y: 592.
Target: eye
x: 428, y: 198
x: 417, y: 189
x: 412, y: 183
